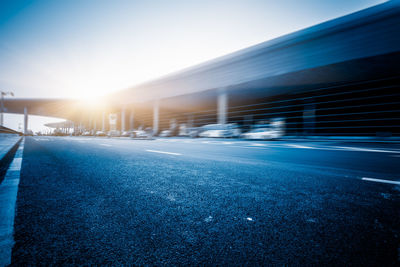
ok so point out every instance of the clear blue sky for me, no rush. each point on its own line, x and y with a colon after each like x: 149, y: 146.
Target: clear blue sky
x: 78, y: 48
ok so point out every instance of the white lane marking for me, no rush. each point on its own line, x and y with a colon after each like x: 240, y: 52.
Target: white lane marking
x: 380, y: 180
x: 164, y: 152
x: 105, y: 145
x: 16, y: 164
x: 299, y: 146
x: 257, y: 144
x: 366, y: 149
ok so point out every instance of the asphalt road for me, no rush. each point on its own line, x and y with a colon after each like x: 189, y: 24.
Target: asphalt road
x: 100, y: 201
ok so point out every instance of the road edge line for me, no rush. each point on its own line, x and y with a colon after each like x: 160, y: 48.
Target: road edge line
x: 8, y: 198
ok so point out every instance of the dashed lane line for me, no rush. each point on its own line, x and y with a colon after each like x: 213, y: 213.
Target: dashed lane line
x: 299, y: 146
x: 163, y: 152
x: 366, y: 149
x: 105, y: 145
x: 258, y: 144
x: 381, y: 180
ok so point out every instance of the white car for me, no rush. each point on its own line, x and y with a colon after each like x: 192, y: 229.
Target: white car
x: 114, y: 133
x: 229, y: 130
x: 273, y: 130
x: 140, y: 134
x: 100, y: 133
x: 165, y: 133
x: 126, y: 134
x: 189, y: 131
x: 262, y: 134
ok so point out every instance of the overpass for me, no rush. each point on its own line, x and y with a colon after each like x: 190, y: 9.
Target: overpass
x: 329, y: 58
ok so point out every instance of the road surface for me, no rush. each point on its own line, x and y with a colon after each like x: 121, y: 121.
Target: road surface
x: 101, y: 201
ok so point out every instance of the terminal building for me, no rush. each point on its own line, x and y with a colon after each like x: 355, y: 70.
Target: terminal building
x: 338, y: 78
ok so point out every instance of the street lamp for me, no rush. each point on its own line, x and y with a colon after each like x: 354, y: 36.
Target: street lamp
x: 2, y: 104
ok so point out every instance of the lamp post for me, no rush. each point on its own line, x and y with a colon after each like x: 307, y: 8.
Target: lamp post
x: 2, y: 104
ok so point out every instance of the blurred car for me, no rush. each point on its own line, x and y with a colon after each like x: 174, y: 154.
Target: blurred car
x: 87, y: 133
x: 193, y: 132
x: 229, y: 130
x: 271, y: 131
x: 188, y: 131
x: 126, y: 134
x: 141, y: 134
x: 262, y: 134
x: 100, y: 133
x: 114, y: 133
x: 165, y: 133
x: 182, y: 130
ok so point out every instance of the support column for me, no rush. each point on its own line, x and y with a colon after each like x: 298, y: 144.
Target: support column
x: 123, y: 119
x: 25, y: 120
x: 89, y: 123
x: 190, y: 120
x: 94, y: 124
x: 156, y: 109
x: 103, y: 122
x: 2, y: 110
x: 80, y: 126
x: 132, y: 120
x: 222, y: 106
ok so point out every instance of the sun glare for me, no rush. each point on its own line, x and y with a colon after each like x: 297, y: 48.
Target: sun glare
x: 94, y: 102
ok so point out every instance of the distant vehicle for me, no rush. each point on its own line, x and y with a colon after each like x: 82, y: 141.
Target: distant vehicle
x: 271, y: 131
x: 100, y: 133
x: 229, y: 130
x: 165, y: 133
x: 126, y: 134
x: 182, y: 130
x: 114, y: 133
x: 87, y: 133
x: 188, y: 131
x: 58, y: 132
x: 140, y: 134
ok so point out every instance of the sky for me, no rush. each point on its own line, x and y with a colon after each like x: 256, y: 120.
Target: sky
x: 87, y: 48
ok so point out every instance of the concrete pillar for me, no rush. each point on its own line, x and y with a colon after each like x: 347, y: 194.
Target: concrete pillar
x: 80, y: 126
x: 132, y: 120
x: 90, y: 123
x: 309, y: 119
x: 94, y: 124
x: 25, y: 120
x: 2, y: 109
x: 103, y: 122
x: 156, y: 110
x: 123, y: 119
x: 190, y: 120
x: 222, y: 106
